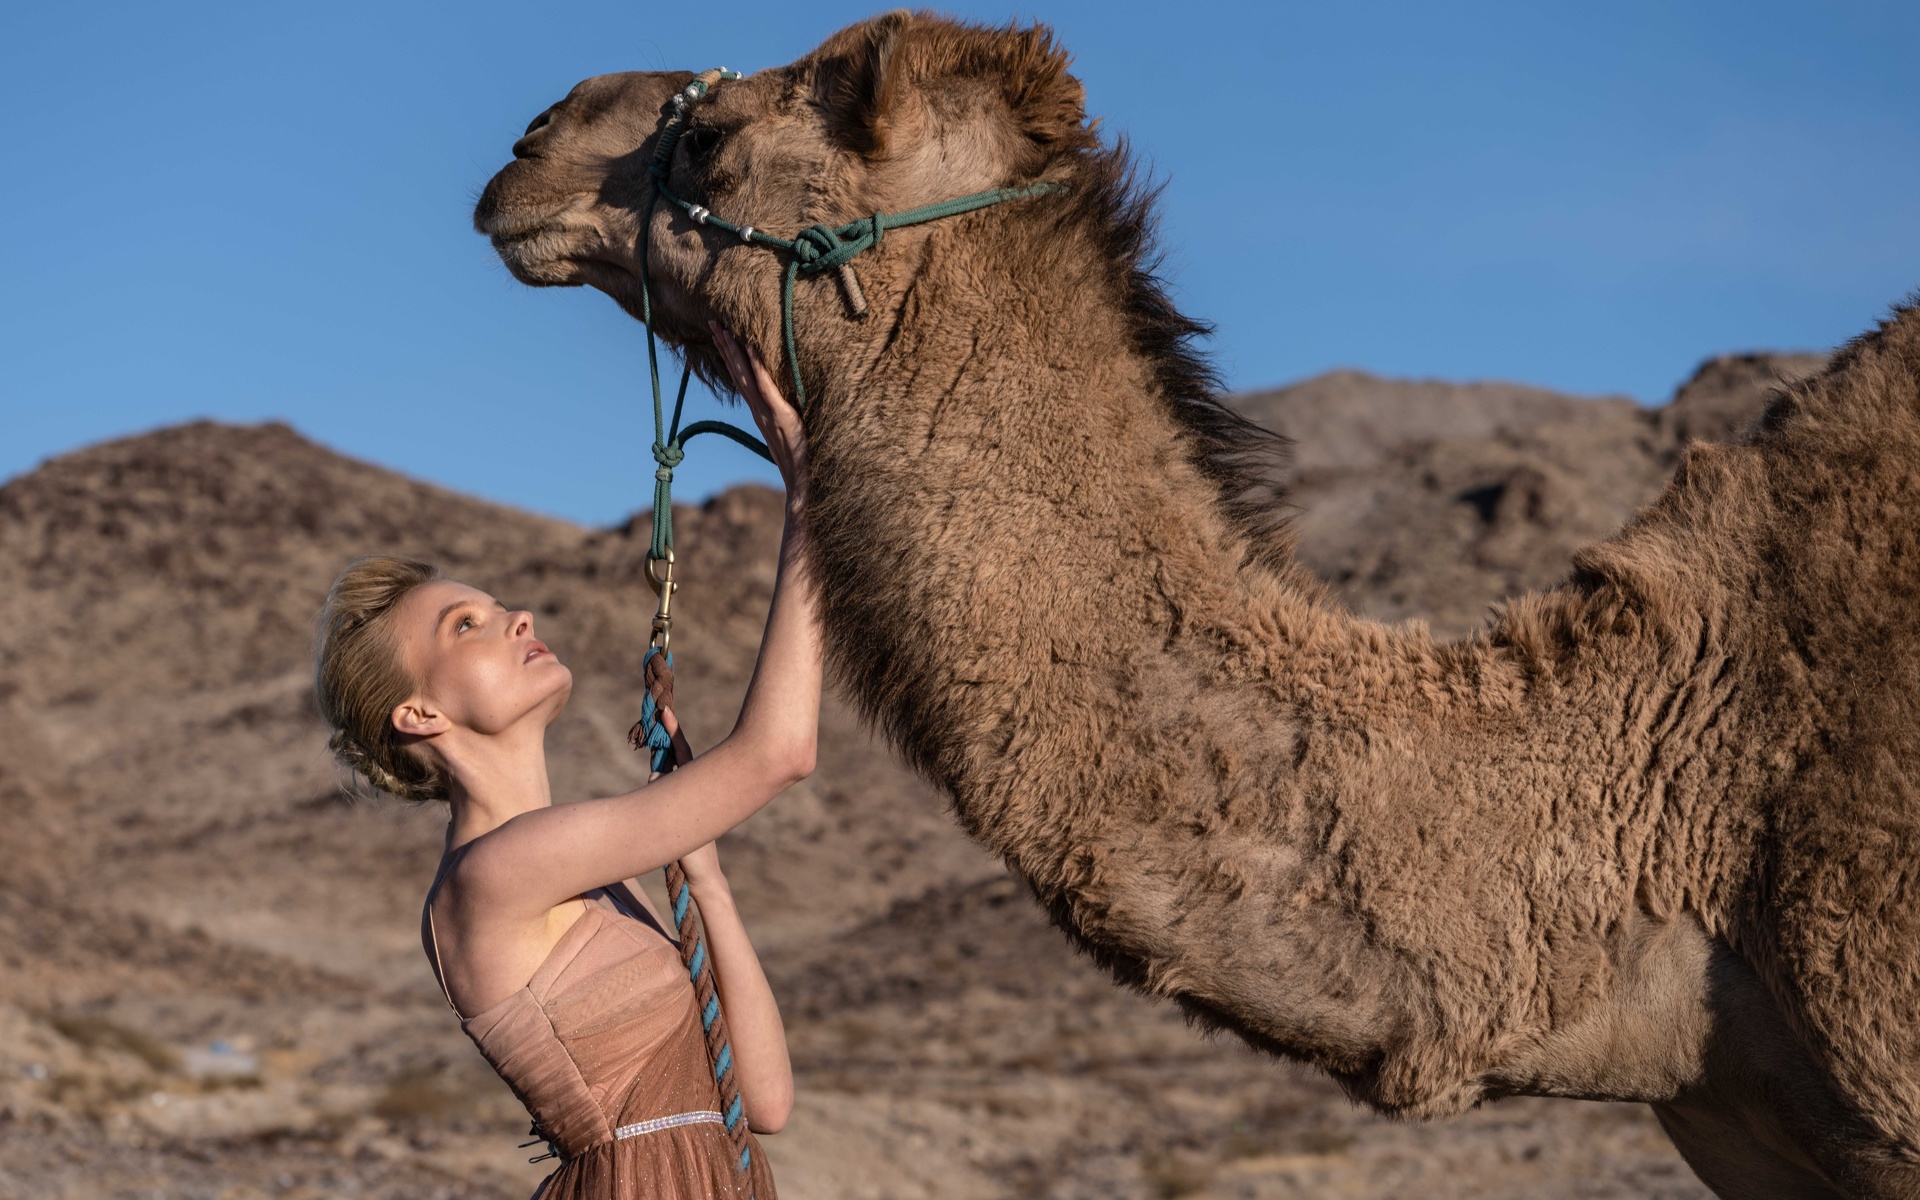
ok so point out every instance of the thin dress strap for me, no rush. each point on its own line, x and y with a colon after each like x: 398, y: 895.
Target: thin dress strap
x: 625, y: 903
x: 433, y: 937
x: 433, y: 944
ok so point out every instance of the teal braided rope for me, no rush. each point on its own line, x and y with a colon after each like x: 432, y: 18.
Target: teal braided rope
x: 693, y: 946
x: 651, y: 733
x: 713, y: 1023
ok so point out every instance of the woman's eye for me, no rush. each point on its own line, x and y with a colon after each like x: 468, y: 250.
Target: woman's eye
x: 463, y: 624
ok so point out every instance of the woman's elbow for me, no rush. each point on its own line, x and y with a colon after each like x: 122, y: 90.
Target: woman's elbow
x: 792, y: 762
x: 801, y: 762
x: 769, y: 1113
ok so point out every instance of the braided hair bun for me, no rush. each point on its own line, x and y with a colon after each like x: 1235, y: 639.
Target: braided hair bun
x: 358, y: 680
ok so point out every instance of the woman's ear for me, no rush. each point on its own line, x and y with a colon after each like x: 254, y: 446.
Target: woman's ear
x: 417, y: 717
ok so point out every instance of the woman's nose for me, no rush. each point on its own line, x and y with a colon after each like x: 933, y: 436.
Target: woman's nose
x: 519, y: 624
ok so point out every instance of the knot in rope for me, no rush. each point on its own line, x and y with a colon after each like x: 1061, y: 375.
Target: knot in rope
x: 814, y: 249
x: 822, y: 247
x: 669, y: 454
x: 663, y: 499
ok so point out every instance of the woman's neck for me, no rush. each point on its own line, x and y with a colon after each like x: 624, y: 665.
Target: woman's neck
x: 493, y: 779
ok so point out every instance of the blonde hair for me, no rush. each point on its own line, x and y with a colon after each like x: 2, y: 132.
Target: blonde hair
x: 358, y: 679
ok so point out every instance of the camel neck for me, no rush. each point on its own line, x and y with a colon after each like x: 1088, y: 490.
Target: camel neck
x: 1040, y: 598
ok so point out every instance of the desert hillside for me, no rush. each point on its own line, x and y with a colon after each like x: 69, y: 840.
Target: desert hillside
x: 210, y: 976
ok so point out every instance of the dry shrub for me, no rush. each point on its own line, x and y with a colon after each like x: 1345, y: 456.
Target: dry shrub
x: 98, y: 1033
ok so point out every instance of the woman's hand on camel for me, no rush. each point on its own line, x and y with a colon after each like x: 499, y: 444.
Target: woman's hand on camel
x: 778, y: 420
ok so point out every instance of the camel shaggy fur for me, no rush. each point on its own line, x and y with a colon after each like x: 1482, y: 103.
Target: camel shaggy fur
x: 1652, y: 835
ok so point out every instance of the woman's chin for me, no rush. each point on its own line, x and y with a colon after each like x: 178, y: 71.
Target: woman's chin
x: 557, y: 699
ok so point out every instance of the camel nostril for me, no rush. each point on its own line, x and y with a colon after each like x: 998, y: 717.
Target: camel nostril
x: 524, y: 147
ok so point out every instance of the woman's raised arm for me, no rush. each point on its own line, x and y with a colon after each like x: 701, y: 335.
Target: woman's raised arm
x: 541, y: 858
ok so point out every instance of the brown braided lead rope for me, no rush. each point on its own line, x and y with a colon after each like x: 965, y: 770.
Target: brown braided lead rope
x: 658, y: 672
x: 659, y: 677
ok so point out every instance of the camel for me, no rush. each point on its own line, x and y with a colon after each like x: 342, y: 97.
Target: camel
x: 1651, y: 835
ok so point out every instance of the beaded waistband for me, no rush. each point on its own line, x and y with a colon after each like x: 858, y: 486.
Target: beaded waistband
x: 702, y: 1117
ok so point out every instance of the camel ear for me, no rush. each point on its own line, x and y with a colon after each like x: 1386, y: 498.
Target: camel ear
x: 856, y: 80
x: 875, y: 78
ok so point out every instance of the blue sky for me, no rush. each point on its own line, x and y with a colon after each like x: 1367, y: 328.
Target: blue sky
x: 252, y: 211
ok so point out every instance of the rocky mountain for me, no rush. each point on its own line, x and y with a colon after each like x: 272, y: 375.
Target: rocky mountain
x: 1431, y: 500
x: 210, y: 976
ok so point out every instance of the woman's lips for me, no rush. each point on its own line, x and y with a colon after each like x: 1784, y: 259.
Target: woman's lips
x: 536, y: 650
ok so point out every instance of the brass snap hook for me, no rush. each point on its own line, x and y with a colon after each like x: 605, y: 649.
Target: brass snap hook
x: 660, y: 575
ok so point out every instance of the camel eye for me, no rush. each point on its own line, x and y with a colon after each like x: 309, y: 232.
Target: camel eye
x: 700, y: 142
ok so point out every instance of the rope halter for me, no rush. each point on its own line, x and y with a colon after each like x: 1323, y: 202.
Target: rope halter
x: 812, y: 251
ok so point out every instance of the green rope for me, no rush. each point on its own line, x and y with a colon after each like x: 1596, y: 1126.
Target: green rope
x: 820, y: 248
x: 813, y: 250
x: 669, y: 441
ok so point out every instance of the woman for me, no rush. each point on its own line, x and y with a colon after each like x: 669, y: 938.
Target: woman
x: 560, y: 971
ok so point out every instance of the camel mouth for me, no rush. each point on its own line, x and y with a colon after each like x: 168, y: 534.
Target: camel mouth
x: 561, y: 249
x: 537, y: 234
x: 503, y: 223
x: 544, y: 243
x: 540, y: 248
x: 535, y: 260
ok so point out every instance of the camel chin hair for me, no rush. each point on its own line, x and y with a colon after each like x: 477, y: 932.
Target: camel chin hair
x: 1652, y: 835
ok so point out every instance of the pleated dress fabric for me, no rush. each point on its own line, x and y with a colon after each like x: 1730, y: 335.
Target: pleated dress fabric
x: 605, y: 1049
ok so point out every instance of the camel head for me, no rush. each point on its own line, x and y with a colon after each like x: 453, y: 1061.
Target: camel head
x: 895, y: 112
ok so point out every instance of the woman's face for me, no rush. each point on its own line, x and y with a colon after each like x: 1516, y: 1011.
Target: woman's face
x: 479, y: 665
